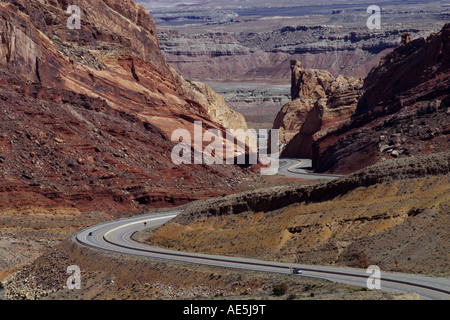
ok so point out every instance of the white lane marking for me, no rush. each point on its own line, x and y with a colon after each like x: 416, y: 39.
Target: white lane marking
x: 320, y: 277
x: 138, y: 222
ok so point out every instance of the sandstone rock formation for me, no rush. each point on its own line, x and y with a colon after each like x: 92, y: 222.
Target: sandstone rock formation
x: 403, y: 112
x: 319, y: 102
x: 87, y: 114
x: 312, y: 83
x: 215, y: 105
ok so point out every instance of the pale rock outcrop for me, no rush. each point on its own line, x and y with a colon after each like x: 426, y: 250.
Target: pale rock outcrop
x: 319, y: 101
x: 309, y: 82
x: 291, y: 118
x: 215, y: 105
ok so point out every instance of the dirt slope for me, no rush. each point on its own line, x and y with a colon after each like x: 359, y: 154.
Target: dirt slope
x: 106, y: 276
x: 396, y: 210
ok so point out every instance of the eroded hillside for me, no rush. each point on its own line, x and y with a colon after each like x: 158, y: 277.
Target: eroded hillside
x: 396, y: 210
x: 404, y: 110
x: 86, y: 122
x: 88, y: 114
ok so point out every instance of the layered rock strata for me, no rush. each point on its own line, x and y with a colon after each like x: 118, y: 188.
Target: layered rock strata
x: 404, y: 110
x: 319, y: 102
x: 87, y: 114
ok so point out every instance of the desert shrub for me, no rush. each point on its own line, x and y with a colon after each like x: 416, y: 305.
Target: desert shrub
x: 363, y: 261
x: 308, y: 287
x: 280, y: 289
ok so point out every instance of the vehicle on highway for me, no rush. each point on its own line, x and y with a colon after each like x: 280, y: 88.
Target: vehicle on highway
x: 122, y: 242
x: 90, y: 234
x: 297, y: 271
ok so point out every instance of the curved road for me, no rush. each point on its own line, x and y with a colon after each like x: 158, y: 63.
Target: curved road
x: 116, y: 236
x: 298, y: 168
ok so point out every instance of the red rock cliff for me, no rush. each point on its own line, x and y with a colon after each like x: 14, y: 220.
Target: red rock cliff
x: 87, y: 114
x: 404, y: 110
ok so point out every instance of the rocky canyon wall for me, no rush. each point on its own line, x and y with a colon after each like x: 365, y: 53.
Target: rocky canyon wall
x: 399, y: 110
x: 404, y: 110
x: 88, y: 113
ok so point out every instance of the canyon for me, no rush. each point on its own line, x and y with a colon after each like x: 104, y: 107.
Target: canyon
x: 403, y: 111
x: 243, y: 50
x: 399, y: 110
x: 86, y: 124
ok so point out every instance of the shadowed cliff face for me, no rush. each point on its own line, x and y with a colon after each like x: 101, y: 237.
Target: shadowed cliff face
x: 403, y: 112
x: 88, y: 114
x: 410, y: 66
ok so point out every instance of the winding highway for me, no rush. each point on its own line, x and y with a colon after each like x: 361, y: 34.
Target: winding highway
x: 298, y: 168
x: 116, y: 236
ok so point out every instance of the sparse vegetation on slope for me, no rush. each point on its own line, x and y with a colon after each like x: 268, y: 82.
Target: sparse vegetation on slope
x: 396, y: 210
x: 107, y: 276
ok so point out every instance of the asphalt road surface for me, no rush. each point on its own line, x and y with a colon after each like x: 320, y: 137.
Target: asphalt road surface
x: 298, y: 168
x: 116, y: 236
